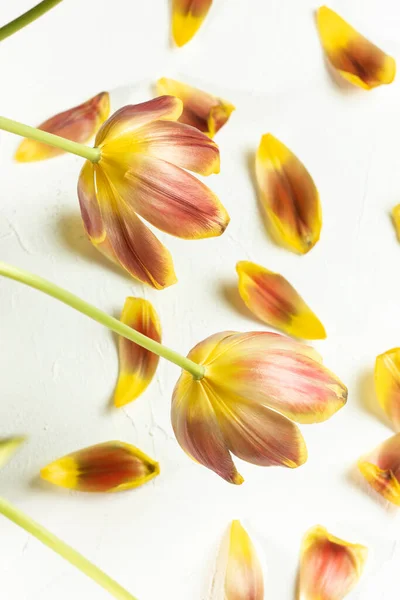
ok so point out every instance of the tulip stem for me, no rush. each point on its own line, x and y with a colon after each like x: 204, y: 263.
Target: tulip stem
x: 92, y: 154
x: 100, y: 316
x: 72, y: 556
x: 28, y: 17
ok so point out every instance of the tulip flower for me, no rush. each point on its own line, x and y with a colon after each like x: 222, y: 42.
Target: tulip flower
x: 275, y: 302
x: 187, y: 17
x: 381, y: 468
x: 137, y: 365
x: 137, y: 168
x: 288, y: 195
x: 200, y: 109
x: 239, y: 574
x: 238, y: 392
x: 357, y: 59
x: 330, y: 567
x: 7, y: 447
x: 26, y: 18
x: 387, y: 384
x: 108, y: 467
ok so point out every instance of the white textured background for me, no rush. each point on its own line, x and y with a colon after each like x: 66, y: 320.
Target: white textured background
x: 58, y: 369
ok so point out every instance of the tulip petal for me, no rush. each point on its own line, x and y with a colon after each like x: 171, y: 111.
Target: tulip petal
x: 90, y: 209
x: 381, y: 469
x: 197, y: 429
x: 289, y: 196
x: 200, y: 109
x: 330, y: 567
x: 387, y: 384
x: 108, y: 467
x: 137, y: 365
x: 396, y: 220
x: 8, y: 447
x: 130, y: 242
x: 129, y: 118
x: 356, y: 58
x: 78, y: 124
x: 275, y: 302
x: 187, y: 17
x: 171, y: 199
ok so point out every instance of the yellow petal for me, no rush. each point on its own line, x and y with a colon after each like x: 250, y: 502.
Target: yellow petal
x: 288, y: 195
x: 330, y: 567
x: 396, y: 220
x: 275, y: 302
x: 137, y: 365
x: 387, y: 384
x: 78, y: 124
x: 108, y: 467
x: 356, y: 58
x: 200, y: 109
x: 381, y: 469
x: 187, y: 17
x: 8, y: 447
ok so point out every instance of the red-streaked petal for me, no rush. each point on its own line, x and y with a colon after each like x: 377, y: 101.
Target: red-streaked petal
x: 200, y: 109
x: 129, y: 118
x: 137, y: 365
x: 78, y: 124
x: 197, y: 429
x: 275, y: 302
x: 171, y: 199
x: 108, y: 467
x: 133, y: 245
x: 187, y: 17
x: 330, y: 567
x: 387, y: 384
x: 90, y: 209
x: 381, y: 468
x: 8, y: 447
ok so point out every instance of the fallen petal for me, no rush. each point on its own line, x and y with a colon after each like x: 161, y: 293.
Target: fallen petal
x: 275, y: 302
x: 108, y: 467
x: 289, y: 196
x: 187, y: 17
x: 200, y: 109
x: 356, y: 58
x: 396, y: 220
x: 8, y: 447
x: 78, y: 124
x: 381, y: 469
x: 387, y: 384
x: 137, y: 365
x: 330, y: 567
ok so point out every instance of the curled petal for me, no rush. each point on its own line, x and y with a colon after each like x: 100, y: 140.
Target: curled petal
x: 200, y: 109
x: 137, y: 365
x: 171, y: 199
x: 288, y: 195
x: 387, y: 384
x: 78, y: 124
x: 129, y: 118
x: 275, y: 302
x: 8, y: 447
x: 108, y: 467
x: 381, y: 469
x: 330, y: 567
x: 356, y: 58
x: 396, y: 220
x: 187, y: 17
x: 90, y: 209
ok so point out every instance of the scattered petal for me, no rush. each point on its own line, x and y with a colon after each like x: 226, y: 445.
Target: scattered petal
x: 387, y: 384
x: 330, y: 567
x: 78, y: 124
x: 137, y: 365
x: 396, y: 220
x: 8, y: 447
x: 358, y: 60
x: 381, y: 469
x: 187, y: 17
x: 200, y: 109
x: 275, y: 302
x: 289, y: 196
x: 108, y: 467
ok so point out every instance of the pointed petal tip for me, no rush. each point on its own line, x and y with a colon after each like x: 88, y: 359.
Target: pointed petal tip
x: 9, y: 446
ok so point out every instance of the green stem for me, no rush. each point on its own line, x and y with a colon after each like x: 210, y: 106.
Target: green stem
x: 31, y: 15
x: 100, y: 316
x: 43, y: 535
x: 92, y: 154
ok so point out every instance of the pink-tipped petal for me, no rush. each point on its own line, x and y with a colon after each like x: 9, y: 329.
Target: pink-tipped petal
x: 90, y: 209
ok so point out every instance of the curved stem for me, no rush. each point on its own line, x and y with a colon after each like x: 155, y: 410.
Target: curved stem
x: 23, y: 20
x: 100, y: 316
x: 72, y: 556
x: 92, y: 154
